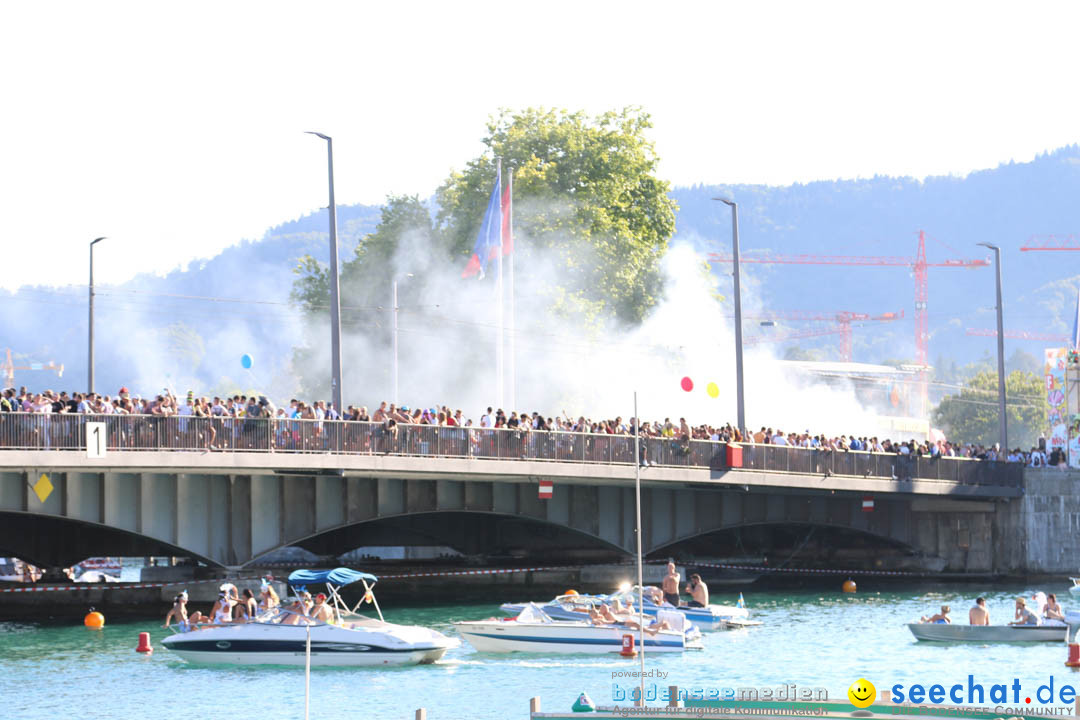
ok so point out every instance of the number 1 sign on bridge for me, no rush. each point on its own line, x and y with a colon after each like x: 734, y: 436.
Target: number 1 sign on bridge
x: 95, y: 440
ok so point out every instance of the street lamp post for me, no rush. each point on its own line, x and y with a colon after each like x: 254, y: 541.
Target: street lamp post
x: 1003, y: 428
x: 90, y: 335
x: 335, y: 302
x: 740, y: 408
x: 394, y: 337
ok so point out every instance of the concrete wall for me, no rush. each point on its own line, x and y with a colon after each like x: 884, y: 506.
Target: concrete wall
x: 1042, y: 533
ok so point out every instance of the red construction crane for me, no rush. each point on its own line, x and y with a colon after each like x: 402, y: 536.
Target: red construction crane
x: 918, y: 264
x: 842, y: 318
x: 9, y: 368
x: 1052, y: 242
x: 1017, y: 335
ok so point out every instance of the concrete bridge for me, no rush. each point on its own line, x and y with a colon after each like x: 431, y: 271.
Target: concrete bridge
x: 229, y: 508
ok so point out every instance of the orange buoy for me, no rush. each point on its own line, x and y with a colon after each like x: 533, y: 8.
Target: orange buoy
x: 628, y: 649
x: 571, y: 592
x: 1074, y: 656
x: 848, y: 586
x: 94, y: 620
x: 144, y: 643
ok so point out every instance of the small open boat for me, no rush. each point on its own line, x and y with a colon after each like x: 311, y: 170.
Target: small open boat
x: 944, y: 632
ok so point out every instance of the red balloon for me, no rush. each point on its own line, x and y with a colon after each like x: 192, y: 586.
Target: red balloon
x: 687, y: 384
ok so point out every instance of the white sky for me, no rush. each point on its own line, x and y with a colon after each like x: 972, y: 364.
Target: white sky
x: 176, y: 128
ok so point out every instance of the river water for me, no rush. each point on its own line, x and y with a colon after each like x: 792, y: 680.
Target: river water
x: 819, y: 638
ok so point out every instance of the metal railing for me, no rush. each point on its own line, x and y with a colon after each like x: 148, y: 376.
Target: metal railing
x: 26, y: 431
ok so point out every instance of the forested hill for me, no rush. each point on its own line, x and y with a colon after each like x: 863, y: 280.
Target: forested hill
x: 153, y: 329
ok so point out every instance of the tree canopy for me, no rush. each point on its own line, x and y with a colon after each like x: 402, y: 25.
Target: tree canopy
x: 585, y: 190
x: 972, y: 416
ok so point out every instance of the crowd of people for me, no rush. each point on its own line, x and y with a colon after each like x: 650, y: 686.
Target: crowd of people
x: 235, y: 606
x: 236, y: 424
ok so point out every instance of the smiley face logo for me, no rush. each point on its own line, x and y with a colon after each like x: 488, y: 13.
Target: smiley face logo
x: 862, y: 693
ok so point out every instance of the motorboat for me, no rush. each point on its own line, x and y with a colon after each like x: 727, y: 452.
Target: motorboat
x: 952, y: 632
x: 281, y: 636
x: 1075, y: 585
x: 533, y: 630
x: 571, y: 606
x: 97, y: 570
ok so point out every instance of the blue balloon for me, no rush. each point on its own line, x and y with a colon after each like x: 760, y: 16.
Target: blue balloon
x: 246, y: 361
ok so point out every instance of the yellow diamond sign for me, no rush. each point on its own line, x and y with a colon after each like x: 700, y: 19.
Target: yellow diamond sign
x: 42, y: 488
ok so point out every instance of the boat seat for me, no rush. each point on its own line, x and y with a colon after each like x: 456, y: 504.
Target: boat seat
x: 675, y: 619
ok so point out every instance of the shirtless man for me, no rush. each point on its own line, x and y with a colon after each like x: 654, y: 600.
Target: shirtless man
x: 979, y: 615
x: 320, y: 611
x: 670, y: 585
x: 698, y: 591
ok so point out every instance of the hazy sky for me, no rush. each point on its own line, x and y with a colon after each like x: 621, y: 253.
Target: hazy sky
x: 176, y: 129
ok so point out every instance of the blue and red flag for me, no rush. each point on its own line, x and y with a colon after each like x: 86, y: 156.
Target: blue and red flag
x: 494, y: 231
x: 489, y: 239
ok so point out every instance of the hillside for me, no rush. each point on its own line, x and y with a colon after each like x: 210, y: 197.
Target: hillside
x: 155, y: 331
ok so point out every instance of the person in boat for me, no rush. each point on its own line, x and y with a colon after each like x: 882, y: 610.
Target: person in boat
x: 979, y: 615
x: 698, y: 591
x: 268, y: 597
x: 670, y: 585
x: 1053, y: 610
x: 249, y: 603
x: 298, y: 611
x: 178, y: 612
x: 221, y: 613
x: 939, y: 618
x: 320, y: 611
x: 603, y: 615
x: 654, y: 594
x: 1024, y: 616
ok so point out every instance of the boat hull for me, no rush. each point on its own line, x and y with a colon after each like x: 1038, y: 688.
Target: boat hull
x: 267, y: 644
x: 577, y: 638
x: 714, y: 617
x: 935, y: 632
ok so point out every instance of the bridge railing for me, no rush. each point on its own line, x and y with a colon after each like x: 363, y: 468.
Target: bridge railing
x: 134, y: 433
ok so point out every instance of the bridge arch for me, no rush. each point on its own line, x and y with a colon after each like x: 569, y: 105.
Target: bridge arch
x: 470, y: 532
x: 54, y: 541
x: 819, y: 541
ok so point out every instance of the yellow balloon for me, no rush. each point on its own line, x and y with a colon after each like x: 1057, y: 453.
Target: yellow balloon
x: 713, y: 390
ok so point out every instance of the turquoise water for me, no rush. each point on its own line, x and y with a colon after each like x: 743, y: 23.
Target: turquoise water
x: 811, y: 638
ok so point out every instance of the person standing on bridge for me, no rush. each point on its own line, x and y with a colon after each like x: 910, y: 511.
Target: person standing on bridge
x: 670, y: 585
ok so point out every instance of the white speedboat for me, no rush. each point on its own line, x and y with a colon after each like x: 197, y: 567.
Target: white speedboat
x: 1075, y: 585
x: 534, y: 631
x: 280, y: 636
x: 714, y: 617
x: 945, y: 632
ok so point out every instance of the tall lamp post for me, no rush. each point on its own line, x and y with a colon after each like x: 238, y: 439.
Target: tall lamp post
x: 740, y: 408
x: 1003, y: 429
x: 335, y: 301
x: 394, y: 337
x: 90, y: 336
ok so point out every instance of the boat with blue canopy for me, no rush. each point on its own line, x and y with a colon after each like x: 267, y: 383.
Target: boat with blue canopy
x: 339, y: 635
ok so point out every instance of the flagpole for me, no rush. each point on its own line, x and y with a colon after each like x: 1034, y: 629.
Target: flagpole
x: 499, y: 320
x: 640, y: 573
x: 511, y: 359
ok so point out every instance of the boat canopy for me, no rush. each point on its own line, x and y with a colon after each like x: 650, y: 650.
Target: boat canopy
x: 338, y: 576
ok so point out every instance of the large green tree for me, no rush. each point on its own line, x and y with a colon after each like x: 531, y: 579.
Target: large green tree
x: 586, y: 197
x: 972, y: 416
